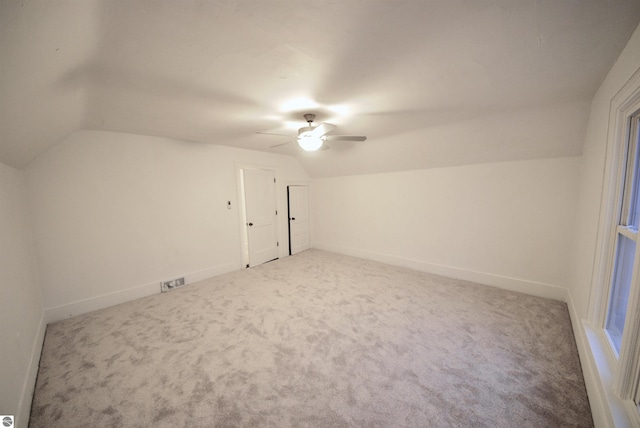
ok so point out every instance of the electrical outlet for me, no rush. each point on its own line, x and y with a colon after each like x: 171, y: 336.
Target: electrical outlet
x: 180, y: 282
x: 167, y: 285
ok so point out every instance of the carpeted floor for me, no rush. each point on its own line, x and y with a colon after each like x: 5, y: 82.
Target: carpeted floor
x: 316, y: 340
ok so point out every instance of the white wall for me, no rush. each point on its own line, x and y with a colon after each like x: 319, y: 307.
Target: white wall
x: 607, y: 408
x: 504, y: 224
x: 591, y: 181
x: 114, y: 214
x: 21, y: 313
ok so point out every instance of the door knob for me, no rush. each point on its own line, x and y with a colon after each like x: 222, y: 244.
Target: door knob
x: 250, y: 224
x: 293, y: 218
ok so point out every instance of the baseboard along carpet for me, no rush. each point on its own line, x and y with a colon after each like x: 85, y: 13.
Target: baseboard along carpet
x: 316, y: 340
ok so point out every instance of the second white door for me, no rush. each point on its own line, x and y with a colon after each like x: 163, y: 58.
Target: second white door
x: 299, y: 239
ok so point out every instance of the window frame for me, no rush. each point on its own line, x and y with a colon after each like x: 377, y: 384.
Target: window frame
x: 625, y: 367
x: 627, y: 364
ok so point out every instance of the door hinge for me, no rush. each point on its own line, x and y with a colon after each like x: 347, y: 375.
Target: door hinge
x: 274, y: 180
x: 277, y: 244
x: 276, y: 212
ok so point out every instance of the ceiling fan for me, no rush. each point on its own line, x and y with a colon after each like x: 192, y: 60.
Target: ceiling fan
x: 312, y: 138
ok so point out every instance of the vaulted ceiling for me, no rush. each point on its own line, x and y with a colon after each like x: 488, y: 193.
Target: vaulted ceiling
x: 431, y: 83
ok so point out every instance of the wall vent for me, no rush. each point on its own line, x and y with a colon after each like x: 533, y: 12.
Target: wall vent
x: 171, y: 284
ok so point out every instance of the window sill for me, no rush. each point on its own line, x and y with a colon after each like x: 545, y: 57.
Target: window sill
x: 618, y: 412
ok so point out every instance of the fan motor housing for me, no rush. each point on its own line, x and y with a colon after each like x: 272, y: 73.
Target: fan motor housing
x: 304, y: 129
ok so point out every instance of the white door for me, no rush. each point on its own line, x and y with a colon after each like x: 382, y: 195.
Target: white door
x: 260, y: 206
x: 299, y: 239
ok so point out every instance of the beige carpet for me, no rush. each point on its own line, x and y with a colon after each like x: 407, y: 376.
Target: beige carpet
x: 316, y: 340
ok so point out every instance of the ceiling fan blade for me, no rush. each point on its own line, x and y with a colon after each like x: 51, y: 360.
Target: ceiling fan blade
x: 278, y: 145
x: 271, y: 133
x: 346, y: 138
x: 322, y: 129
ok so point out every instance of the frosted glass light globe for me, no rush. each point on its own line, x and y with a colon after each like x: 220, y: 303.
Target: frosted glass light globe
x: 310, y: 144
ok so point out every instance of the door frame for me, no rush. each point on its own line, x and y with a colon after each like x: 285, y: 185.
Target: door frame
x: 242, y: 211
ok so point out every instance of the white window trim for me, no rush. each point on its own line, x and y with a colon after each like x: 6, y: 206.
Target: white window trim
x: 615, y: 374
x: 629, y: 364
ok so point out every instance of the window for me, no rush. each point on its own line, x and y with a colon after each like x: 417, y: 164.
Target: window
x: 624, y: 266
x: 621, y: 284
x: 613, y: 326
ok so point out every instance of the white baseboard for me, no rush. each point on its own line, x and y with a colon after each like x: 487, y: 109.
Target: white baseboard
x: 122, y: 296
x: 211, y: 272
x: 26, y: 396
x: 514, y: 284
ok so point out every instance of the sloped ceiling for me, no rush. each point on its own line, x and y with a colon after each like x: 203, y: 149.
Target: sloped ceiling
x: 431, y: 83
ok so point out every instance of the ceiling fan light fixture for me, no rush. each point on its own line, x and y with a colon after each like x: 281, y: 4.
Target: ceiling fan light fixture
x: 310, y: 143
x: 311, y: 138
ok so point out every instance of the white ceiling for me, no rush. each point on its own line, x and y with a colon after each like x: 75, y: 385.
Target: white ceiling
x: 431, y: 83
